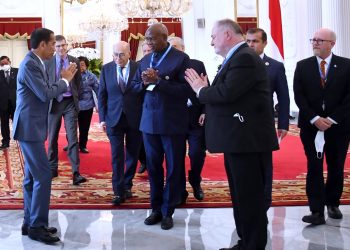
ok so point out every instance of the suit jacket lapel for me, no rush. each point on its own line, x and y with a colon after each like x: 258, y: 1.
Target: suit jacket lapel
x: 332, y: 70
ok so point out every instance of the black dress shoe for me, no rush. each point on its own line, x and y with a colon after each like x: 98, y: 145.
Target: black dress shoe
x: 198, y: 192
x: 5, y: 145
x: 84, y: 150
x: 77, y: 178
x: 334, y: 212
x: 54, y: 173
x: 314, y: 218
x: 65, y: 148
x: 127, y: 193
x: 142, y: 168
x: 117, y: 200
x: 41, y: 234
x: 25, y: 228
x: 154, y: 218
x: 167, y: 223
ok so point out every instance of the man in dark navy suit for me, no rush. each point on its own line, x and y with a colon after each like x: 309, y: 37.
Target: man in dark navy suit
x: 257, y: 39
x: 322, y: 93
x: 164, y: 122
x: 120, y: 114
x: 8, y: 86
x: 195, y: 133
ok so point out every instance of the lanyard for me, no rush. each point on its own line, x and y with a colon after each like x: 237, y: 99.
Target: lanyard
x: 160, y: 60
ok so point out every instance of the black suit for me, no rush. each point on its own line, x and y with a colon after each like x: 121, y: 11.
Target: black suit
x: 7, y: 102
x: 121, y: 111
x: 239, y: 123
x: 332, y: 101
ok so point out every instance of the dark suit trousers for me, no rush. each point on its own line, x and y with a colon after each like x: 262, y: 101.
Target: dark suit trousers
x: 245, y: 173
x: 268, y: 178
x: 84, y: 121
x: 65, y: 109
x: 142, y: 153
x: 5, y: 122
x: 36, y: 184
x: 318, y: 192
x: 165, y: 197
x: 123, y: 163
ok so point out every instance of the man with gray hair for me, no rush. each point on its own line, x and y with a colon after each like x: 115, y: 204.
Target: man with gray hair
x: 240, y: 124
x: 322, y: 94
x: 120, y: 114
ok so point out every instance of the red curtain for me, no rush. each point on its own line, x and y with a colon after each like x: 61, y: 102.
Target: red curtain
x: 88, y: 44
x: 247, y: 22
x: 19, y: 27
x: 138, y: 27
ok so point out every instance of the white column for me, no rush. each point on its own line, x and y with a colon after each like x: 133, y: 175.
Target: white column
x: 335, y: 17
x: 314, y: 16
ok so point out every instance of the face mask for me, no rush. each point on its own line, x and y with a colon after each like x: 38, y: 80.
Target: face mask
x: 319, y: 143
x: 5, y: 67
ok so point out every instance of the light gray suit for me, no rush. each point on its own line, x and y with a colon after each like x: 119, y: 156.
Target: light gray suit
x: 30, y: 129
x: 69, y: 109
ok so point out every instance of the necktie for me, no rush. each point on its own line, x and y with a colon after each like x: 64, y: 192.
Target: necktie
x: 121, y: 80
x: 323, y: 72
x: 7, y: 75
x: 60, y: 67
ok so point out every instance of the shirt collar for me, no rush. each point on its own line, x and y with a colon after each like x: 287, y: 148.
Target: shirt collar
x: 233, y: 49
x: 126, y: 65
x: 262, y: 55
x: 328, y: 59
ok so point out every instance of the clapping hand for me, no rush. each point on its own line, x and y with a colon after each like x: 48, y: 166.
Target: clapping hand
x: 196, y: 81
x: 150, y: 75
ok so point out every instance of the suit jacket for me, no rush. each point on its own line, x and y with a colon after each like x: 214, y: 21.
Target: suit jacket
x: 165, y: 109
x: 74, y: 83
x: 33, y: 97
x: 278, y: 83
x: 112, y: 102
x: 238, y: 106
x: 196, y: 109
x: 310, y: 96
x: 8, y: 90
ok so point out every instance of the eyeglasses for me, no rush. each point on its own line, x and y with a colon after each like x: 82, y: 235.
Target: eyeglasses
x: 61, y: 45
x: 120, y: 55
x: 318, y: 41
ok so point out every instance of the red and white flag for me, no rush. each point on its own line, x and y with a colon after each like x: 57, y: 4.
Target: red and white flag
x: 270, y: 19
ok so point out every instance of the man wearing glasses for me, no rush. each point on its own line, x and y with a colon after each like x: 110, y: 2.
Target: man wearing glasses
x: 65, y: 105
x: 322, y: 93
x: 120, y: 113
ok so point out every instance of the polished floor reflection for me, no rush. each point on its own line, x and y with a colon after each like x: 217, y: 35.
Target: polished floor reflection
x: 195, y: 229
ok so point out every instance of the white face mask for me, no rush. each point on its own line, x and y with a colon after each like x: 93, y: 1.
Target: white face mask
x: 319, y: 144
x: 5, y: 67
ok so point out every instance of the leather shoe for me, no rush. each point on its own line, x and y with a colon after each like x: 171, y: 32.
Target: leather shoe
x: 198, y: 192
x: 77, y: 178
x: 154, y: 218
x: 142, y: 168
x: 127, y: 193
x: 183, y: 199
x: 334, y: 212
x: 167, y: 223
x: 117, y: 200
x: 84, y: 150
x: 65, y: 148
x: 314, y: 218
x: 25, y: 228
x: 5, y: 145
x: 54, y: 173
x: 41, y: 234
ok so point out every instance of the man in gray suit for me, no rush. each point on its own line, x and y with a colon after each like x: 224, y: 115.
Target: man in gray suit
x: 30, y: 128
x: 65, y: 105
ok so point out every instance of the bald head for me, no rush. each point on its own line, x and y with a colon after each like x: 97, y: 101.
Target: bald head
x: 177, y: 43
x: 121, y: 53
x: 156, y: 37
x: 323, y: 42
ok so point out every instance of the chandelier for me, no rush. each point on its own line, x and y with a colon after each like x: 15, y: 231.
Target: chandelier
x: 153, y: 8
x: 99, y: 17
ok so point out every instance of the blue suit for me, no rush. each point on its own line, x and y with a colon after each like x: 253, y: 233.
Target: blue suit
x: 122, y: 113
x: 164, y: 124
x: 278, y: 84
x: 30, y: 129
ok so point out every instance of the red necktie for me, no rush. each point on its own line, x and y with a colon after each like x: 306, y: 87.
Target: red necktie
x: 323, y: 72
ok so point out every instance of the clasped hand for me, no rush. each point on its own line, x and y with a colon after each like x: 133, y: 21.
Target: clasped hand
x: 69, y: 72
x: 149, y: 76
x: 323, y: 123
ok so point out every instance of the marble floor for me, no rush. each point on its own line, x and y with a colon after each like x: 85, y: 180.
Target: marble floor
x: 195, y: 229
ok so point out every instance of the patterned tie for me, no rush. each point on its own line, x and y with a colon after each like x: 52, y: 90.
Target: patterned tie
x: 323, y: 72
x: 60, y: 67
x: 121, y: 80
x: 7, y: 75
